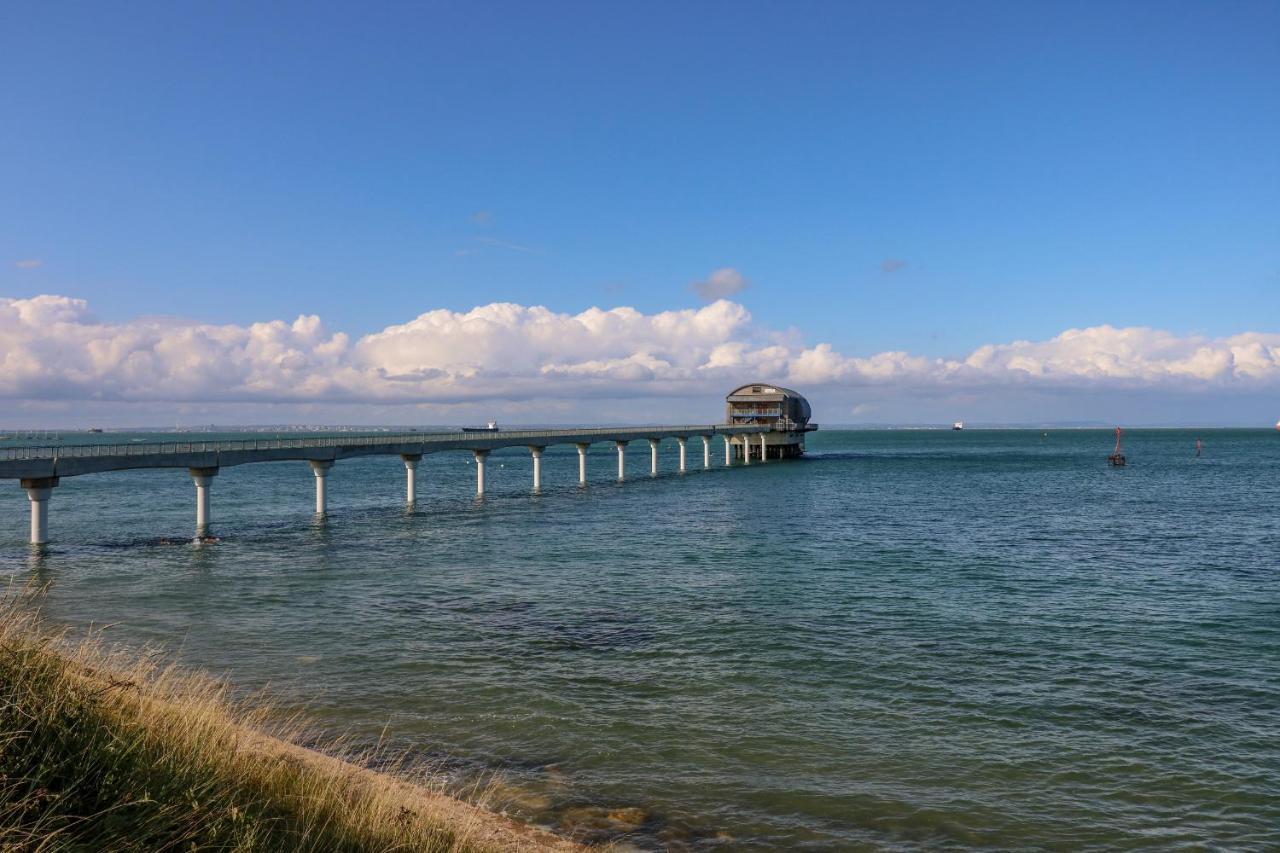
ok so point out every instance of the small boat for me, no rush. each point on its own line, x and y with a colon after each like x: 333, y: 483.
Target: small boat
x: 958, y: 425
x: 491, y: 426
x: 95, y: 429
x: 1278, y: 425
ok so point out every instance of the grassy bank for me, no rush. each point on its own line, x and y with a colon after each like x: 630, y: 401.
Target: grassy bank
x: 105, y: 751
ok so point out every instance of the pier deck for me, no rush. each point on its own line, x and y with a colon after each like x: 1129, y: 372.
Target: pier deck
x: 71, y: 460
x: 40, y: 468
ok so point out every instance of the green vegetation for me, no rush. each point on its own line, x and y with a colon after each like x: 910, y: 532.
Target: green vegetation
x: 101, y: 751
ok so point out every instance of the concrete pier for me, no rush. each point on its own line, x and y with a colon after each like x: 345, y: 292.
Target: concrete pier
x: 536, y: 452
x: 320, y: 467
x: 411, y: 461
x: 653, y: 457
x: 38, y: 492
x: 203, y: 478
x: 39, y: 468
x: 481, y: 456
x: 764, y: 449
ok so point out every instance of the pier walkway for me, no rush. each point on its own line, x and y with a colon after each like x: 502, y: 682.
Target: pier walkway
x: 40, y: 468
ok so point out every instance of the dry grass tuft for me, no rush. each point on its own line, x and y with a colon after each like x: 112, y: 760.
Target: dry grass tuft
x: 108, y: 751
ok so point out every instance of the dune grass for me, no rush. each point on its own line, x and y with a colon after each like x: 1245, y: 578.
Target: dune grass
x: 101, y: 750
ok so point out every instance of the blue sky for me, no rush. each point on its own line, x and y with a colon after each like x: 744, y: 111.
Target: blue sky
x: 918, y: 177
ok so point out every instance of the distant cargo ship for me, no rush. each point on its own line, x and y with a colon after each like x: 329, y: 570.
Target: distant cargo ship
x: 491, y: 426
x: 958, y: 425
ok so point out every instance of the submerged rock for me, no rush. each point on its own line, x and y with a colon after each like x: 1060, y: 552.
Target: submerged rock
x: 631, y: 816
x: 513, y: 798
x: 598, y: 823
x: 556, y: 775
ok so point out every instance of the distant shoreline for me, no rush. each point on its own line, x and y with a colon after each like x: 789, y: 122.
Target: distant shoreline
x: 10, y: 432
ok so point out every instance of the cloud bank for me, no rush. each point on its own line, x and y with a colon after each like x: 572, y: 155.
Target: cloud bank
x: 52, y: 349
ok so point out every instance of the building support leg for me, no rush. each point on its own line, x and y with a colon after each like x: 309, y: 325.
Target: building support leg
x: 764, y: 449
x: 537, y: 468
x: 481, y: 456
x: 203, y: 478
x: 320, y: 467
x: 706, y: 451
x: 653, y: 457
x: 39, y: 491
x: 728, y: 451
x: 411, y: 461
x: 582, y: 464
x: 683, y: 459
x: 622, y: 459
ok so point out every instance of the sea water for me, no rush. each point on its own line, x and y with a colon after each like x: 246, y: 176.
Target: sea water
x: 906, y: 639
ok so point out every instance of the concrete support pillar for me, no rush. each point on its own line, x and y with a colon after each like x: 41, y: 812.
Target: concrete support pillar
x: 728, y: 451
x: 582, y: 464
x: 203, y: 478
x: 481, y: 456
x: 706, y: 451
x: 38, y: 492
x: 682, y: 442
x: 764, y: 449
x: 320, y: 467
x: 746, y: 449
x: 653, y: 457
x: 622, y: 459
x: 537, y: 467
x: 411, y: 461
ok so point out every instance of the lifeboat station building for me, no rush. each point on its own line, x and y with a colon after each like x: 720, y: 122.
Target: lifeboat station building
x: 785, y: 411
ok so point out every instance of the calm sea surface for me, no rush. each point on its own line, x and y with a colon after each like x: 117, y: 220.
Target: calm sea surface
x: 905, y: 640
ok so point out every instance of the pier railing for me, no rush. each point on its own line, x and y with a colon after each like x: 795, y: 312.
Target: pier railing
x: 148, y: 448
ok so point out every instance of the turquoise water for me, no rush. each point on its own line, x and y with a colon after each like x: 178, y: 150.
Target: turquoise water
x: 907, y: 639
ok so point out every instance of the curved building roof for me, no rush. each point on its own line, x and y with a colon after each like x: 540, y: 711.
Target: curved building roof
x: 769, y: 390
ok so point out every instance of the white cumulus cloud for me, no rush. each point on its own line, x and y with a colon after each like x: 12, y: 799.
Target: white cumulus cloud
x: 52, y: 348
x: 1099, y: 356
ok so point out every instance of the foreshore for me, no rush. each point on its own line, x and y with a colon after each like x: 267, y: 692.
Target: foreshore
x: 102, y: 749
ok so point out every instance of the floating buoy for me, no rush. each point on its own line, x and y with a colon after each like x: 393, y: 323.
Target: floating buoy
x: 1116, y: 459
